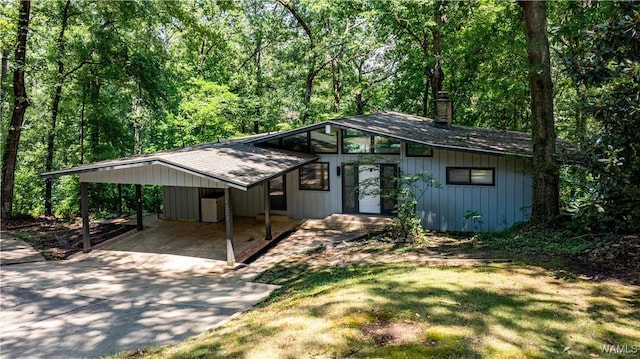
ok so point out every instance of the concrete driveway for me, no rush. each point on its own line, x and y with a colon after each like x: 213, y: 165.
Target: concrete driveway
x: 104, y: 302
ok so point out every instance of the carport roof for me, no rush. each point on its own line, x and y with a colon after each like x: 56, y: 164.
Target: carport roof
x: 229, y: 162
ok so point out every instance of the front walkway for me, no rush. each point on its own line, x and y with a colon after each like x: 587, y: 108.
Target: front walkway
x: 15, y: 251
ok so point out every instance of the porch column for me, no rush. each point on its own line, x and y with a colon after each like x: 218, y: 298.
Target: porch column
x: 139, y: 224
x: 228, y: 215
x: 267, y: 210
x: 84, y: 209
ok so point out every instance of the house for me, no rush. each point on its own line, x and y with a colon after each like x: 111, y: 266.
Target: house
x: 315, y: 171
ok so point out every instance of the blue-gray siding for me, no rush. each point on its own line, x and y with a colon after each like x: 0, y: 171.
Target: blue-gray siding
x: 444, y: 208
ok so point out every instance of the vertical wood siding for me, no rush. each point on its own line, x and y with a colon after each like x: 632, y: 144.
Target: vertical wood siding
x: 150, y: 175
x: 444, y: 208
x: 183, y: 203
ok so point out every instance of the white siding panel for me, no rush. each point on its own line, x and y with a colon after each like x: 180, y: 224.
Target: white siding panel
x: 150, y: 175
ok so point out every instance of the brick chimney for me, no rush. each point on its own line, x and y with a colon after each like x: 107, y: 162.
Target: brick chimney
x: 444, y: 111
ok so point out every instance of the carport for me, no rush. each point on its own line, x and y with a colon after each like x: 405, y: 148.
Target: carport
x: 226, y: 166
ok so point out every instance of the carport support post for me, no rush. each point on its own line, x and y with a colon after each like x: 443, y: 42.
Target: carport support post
x: 84, y: 209
x: 267, y: 210
x: 139, y: 224
x: 228, y: 215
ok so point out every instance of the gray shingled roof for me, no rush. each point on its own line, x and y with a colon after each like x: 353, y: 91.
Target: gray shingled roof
x: 231, y: 162
x: 425, y: 131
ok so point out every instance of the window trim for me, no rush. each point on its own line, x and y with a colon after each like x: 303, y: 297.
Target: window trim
x: 301, y: 187
x: 470, y: 183
x: 373, y: 146
x: 372, y: 143
x: 318, y: 152
x: 406, y: 150
x: 343, y: 148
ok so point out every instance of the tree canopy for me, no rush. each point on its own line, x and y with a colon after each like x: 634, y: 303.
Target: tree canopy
x: 113, y: 78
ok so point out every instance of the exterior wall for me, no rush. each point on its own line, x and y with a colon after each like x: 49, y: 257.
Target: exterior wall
x: 444, y: 208
x: 150, y: 175
x: 500, y: 206
x: 183, y: 203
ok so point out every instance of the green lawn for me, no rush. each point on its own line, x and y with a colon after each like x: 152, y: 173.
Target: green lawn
x: 402, y: 310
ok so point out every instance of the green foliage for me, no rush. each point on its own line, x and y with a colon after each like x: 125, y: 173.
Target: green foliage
x: 205, y: 114
x: 525, y: 238
x: 609, y: 68
x: 476, y: 219
x: 409, y: 191
x: 148, y: 76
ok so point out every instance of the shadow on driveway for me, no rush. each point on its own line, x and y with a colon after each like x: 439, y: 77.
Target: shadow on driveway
x: 75, y: 309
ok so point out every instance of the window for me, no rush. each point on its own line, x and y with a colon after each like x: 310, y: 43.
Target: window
x: 385, y: 145
x: 354, y: 141
x: 323, y: 141
x: 418, y: 150
x: 298, y: 142
x: 315, y: 176
x: 278, y: 193
x: 471, y: 176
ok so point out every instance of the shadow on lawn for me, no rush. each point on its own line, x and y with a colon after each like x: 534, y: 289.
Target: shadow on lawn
x: 454, y: 319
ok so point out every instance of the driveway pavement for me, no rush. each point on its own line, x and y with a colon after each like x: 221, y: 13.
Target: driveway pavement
x: 105, y: 302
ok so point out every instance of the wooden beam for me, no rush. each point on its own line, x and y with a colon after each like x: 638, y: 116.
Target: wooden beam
x: 267, y: 210
x: 139, y: 224
x: 228, y: 215
x: 84, y: 208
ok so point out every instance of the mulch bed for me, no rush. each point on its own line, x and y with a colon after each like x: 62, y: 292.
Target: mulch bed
x: 57, y: 239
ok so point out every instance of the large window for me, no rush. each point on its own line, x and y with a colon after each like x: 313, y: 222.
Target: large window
x: 418, y: 150
x: 298, y: 142
x: 354, y: 141
x: 386, y: 145
x: 315, y: 176
x: 471, y: 176
x: 323, y: 141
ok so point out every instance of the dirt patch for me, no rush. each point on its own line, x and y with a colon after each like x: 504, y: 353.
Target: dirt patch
x: 58, y: 239
x: 393, y: 333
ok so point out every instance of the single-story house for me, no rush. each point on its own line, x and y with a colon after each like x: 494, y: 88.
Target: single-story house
x: 315, y: 171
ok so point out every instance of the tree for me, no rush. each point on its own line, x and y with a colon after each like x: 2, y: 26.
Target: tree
x: 21, y: 102
x: 546, y: 205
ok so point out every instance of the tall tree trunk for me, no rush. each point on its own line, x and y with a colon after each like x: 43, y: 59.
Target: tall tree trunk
x: 4, y: 68
x: 545, y: 169
x: 312, y: 71
x: 20, y: 104
x: 437, y: 78
x: 308, y: 90
x: 81, y: 139
x: 258, y: 90
x: 54, y: 109
x: 336, y: 77
x: 428, y: 76
x: 94, y: 117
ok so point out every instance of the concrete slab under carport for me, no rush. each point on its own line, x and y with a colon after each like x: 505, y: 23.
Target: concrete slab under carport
x: 198, y: 240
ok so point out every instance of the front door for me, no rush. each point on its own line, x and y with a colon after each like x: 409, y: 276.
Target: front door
x: 361, y: 188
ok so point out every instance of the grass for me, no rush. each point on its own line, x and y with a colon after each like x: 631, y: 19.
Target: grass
x: 402, y: 310
x: 528, y: 238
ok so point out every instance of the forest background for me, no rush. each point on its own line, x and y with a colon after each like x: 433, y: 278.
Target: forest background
x: 108, y: 79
